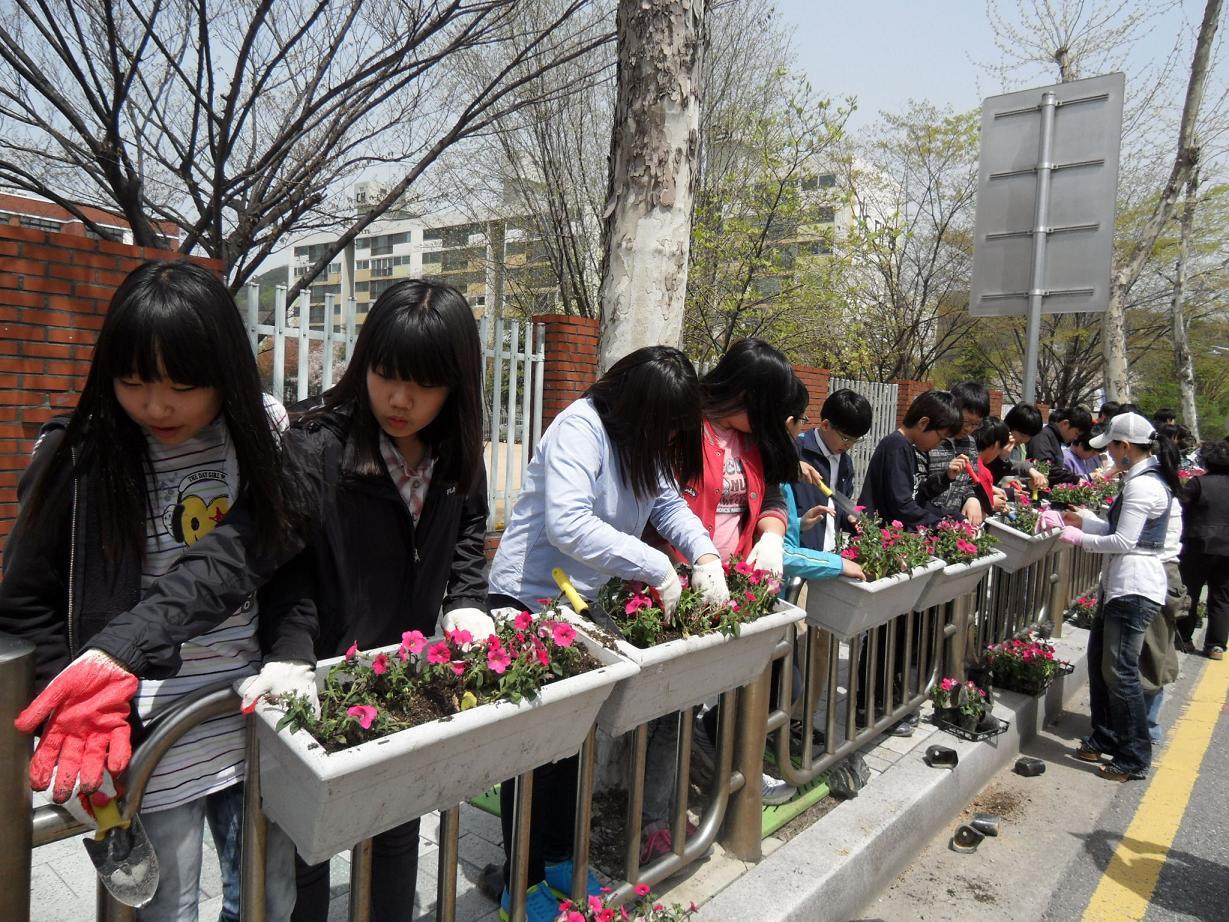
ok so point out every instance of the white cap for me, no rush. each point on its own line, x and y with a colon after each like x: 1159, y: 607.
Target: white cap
x: 1125, y: 427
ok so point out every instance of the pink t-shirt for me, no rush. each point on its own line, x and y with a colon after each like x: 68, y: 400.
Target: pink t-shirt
x: 732, y: 507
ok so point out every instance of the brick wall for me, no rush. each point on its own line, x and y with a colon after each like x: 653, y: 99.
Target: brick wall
x: 54, y: 290
x: 816, y: 380
x: 571, y: 361
x: 996, y: 403
x: 906, y: 393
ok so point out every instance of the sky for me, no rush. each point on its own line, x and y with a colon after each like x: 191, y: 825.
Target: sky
x: 888, y: 51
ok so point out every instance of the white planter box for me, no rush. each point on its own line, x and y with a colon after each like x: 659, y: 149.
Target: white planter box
x: 682, y: 673
x: 847, y: 607
x: 1020, y: 549
x: 957, y: 579
x: 326, y: 802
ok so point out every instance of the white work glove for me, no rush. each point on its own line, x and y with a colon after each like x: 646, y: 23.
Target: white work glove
x: 669, y: 592
x: 80, y: 806
x: 479, y: 624
x: 708, y: 579
x: 279, y: 677
x: 768, y: 553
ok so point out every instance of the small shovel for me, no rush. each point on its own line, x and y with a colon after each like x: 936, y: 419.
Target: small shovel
x: 593, y: 612
x: 123, y: 856
x: 844, y: 505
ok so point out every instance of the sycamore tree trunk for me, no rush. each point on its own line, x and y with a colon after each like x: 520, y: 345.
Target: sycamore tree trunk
x: 1183, y: 364
x: 653, y: 172
x: 1114, y: 332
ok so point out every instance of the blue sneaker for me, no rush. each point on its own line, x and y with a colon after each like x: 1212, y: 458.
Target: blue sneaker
x: 541, y: 904
x: 559, y: 879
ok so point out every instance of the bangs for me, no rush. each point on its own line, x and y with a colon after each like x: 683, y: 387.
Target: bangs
x: 416, y: 346
x: 148, y: 339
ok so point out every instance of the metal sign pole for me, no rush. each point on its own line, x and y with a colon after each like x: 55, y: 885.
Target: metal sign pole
x: 1041, y: 230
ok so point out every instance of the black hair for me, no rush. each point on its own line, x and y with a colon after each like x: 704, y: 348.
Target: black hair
x: 973, y: 397
x: 420, y: 331
x: 755, y: 377
x: 649, y: 404
x: 848, y: 412
x: 1166, y: 453
x: 1110, y: 409
x: 1164, y: 416
x: 799, y: 399
x: 992, y: 431
x: 941, y: 410
x: 1085, y: 441
x: 174, y: 318
x: 1076, y: 417
x: 1129, y: 408
x: 1214, y: 456
x: 1024, y: 417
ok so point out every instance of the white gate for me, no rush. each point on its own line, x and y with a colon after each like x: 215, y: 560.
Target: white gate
x: 883, y: 407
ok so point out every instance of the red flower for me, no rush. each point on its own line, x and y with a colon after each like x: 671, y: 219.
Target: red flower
x: 352, y: 652
x: 380, y: 664
x: 439, y: 653
x: 523, y: 621
x: 459, y: 638
x: 642, y: 889
x: 458, y: 667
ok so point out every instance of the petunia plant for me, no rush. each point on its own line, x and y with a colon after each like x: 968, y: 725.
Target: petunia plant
x: 883, y: 550
x: 1022, y: 515
x: 642, y: 909
x: 637, y: 610
x: 1025, y: 663
x: 959, y: 542
x: 952, y: 695
x: 371, y: 695
x: 1083, y: 610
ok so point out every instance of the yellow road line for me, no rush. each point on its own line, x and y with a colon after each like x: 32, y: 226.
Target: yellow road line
x: 1125, y: 890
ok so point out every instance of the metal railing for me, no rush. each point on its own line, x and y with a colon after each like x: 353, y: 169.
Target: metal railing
x: 917, y: 646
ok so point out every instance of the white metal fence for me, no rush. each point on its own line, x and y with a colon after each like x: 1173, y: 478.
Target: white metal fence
x: 513, y: 353
x: 883, y: 406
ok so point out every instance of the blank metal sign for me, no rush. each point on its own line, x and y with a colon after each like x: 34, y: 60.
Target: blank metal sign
x: 1083, y: 193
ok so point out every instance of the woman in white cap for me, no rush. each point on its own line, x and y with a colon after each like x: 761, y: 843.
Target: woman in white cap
x: 1133, y: 588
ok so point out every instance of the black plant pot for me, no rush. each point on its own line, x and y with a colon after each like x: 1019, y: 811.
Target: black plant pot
x: 969, y: 722
x: 948, y: 715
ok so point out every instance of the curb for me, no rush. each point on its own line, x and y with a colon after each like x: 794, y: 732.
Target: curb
x: 838, y: 866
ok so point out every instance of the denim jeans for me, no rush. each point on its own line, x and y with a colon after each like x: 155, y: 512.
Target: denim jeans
x: 1153, y: 702
x: 177, y: 836
x: 1116, y: 698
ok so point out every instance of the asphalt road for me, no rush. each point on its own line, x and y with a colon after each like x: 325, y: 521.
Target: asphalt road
x: 1073, y: 846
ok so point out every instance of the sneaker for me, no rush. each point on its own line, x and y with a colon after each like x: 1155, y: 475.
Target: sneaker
x: 1112, y: 772
x: 1086, y: 753
x: 657, y: 843
x: 797, y: 729
x: 904, y: 727
x: 541, y: 905
x: 774, y: 791
x: 559, y: 879
x: 1214, y: 652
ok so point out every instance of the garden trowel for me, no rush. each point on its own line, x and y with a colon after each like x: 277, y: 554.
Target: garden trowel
x: 123, y: 856
x: 590, y: 610
x: 844, y: 505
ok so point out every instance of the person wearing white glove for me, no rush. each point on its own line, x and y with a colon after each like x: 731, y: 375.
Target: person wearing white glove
x: 708, y: 579
x: 279, y: 677
x: 479, y: 624
x: 769, y: 553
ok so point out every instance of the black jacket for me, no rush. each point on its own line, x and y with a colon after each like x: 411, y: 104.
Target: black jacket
x: 1047, y: 446
x: 1205, y: 515
x: 63, y: 594
x: 892, y: 480
x: 807, y: 496
x: 371, y: 572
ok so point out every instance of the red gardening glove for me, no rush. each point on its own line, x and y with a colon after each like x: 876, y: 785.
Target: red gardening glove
x: 86, y: 713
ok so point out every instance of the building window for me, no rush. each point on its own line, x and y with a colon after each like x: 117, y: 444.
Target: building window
x: 809, y: 184
x: 334, y: 268
x: 827, y: 181
x: 40, y: 223
x: 825, y: 214
x: 362, y: 264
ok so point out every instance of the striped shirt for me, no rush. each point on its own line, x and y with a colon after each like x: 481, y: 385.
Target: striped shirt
x: 190, y: 488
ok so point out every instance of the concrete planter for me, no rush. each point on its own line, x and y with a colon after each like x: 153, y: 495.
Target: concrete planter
x: 956, y: 580
x: 1021, y: 550
x: 682, y: 673
x: 847, y: 607
x: 326, y: 802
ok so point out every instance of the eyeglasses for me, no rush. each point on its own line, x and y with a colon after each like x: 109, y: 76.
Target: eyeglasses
x: 848, y: 440
x: 802, y: 419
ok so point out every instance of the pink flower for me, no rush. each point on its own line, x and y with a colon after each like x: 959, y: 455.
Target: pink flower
x: 545, y: 601
x: 458, y: 667
x: 564, y: 634
x: 439, y: 653
x: 498, y: 660
x: 540, y: 649
x: 859, y: 508
x: 365, y: 714
x: 749, y: 596
x: 635, y: 603
x: 595, y: 903
x: 380, y: 664
x: 642, y: 889
x: 575, y: 916
x: 898, y: 524
x: 755, y: 578
x: 352, y: 652
x: 850, y: 553
x: 459, y: 638
x: 523, y: 621
x: 744, y: 568
x: 413, y: 641
x: 684, y: 580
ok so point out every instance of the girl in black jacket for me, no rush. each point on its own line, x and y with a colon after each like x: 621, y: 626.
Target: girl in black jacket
x: 1205, y: 547
x: 400, y: 506
x: 170, y: 431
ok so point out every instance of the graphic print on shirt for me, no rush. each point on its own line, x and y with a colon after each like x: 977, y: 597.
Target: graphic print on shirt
x: 733, y: 487
x: 202, y: 503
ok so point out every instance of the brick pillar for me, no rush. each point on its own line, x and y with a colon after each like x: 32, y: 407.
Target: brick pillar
x: 996, y: 403
x: 906, y: 392
x: 571, y: 361
x: 54, y: 291
x: 816, y: 380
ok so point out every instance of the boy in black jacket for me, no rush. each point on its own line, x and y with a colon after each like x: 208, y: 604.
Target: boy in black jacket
x: 844, y: 419
x: 1064, y: 427
x: 895, y: 471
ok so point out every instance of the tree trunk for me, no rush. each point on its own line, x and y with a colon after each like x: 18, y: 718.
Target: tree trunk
x: 653, y: 173
x: 1114, y: 334
x: 1182, y: 350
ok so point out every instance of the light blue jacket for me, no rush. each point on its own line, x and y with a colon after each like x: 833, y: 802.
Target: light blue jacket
x: 576, y: 511
x: 804, y: 561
